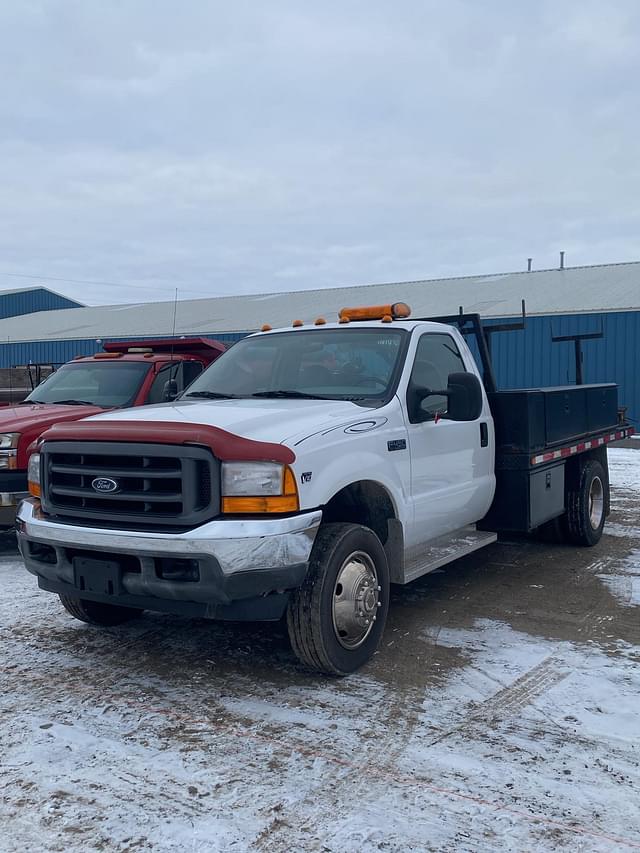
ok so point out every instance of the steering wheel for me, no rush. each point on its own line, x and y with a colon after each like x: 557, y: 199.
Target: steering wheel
x: 352, y: 370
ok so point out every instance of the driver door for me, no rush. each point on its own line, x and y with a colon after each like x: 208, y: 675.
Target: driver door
x: 449, y: 465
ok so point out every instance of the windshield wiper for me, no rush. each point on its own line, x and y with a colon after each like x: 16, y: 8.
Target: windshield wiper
x: 299, y: 395
x: 212, y: 395
x: 31, y: 402
x: 72, y: 403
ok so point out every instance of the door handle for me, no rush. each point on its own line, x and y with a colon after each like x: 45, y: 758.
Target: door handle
x: 484, y: 434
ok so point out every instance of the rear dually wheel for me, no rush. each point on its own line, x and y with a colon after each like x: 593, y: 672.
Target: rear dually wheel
x: 584, y: 519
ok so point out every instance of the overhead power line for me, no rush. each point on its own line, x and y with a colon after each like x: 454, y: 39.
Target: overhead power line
x: 95, y: 283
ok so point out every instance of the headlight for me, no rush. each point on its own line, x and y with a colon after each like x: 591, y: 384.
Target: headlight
x: 33, y: 474
x: 9, y: 440
x: 257, y: 487
x: 8, y: 452
x: 252, y: 478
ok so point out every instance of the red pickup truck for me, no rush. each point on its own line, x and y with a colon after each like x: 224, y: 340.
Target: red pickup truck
x: 127, y: 373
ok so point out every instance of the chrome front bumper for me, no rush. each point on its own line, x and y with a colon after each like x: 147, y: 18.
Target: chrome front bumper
x: 238, y: 545
x: 236, y: 559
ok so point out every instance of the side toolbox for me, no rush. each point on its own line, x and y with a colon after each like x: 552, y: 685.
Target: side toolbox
x: 537, y: 422
x: 526, y: 499
x: 530, y: 420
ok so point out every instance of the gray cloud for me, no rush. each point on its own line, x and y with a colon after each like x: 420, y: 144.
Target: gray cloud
x: 225, y: 148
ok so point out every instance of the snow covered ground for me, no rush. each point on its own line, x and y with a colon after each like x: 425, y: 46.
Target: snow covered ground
x: 501, y: 713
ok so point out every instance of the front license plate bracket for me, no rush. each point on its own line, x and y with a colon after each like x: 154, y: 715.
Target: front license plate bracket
x: 98, y: 576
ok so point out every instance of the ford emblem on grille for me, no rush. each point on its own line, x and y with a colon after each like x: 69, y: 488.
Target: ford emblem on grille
x: 104, y: 484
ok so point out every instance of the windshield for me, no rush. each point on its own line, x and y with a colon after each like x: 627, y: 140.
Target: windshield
x: 109, y: 385
x: 334, y: 364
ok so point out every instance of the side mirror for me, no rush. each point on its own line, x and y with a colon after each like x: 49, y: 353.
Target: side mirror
x: 170, y: 391
x: 464, y: 399
x: 464, y: 394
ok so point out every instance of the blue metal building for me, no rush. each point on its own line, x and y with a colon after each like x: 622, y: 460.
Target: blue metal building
x: 28, y: 300
x: 561, y: 301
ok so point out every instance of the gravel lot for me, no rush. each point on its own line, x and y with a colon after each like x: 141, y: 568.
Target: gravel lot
x: 501, y: 713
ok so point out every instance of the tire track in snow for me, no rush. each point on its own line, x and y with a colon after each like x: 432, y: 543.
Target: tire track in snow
x: 513, y: 698
x: 524, y: 690
x: 392, y: 728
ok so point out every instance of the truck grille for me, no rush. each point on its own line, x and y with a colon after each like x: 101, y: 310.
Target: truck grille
x: 130, y: 485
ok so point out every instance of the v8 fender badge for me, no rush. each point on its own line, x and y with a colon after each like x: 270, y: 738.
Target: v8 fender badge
x: 306, y: 477
x: 397, y: 444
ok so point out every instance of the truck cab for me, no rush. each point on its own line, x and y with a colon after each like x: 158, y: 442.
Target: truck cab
x: 303, y: 473
x: 126, y: 373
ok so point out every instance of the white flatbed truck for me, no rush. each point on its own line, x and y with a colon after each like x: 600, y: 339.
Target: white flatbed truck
x: 305, y: 471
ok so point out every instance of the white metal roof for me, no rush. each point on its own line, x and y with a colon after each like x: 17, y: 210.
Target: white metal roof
x: 573, y: 290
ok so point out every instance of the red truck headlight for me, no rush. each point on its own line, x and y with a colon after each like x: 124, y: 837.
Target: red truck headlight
x: 8, y: 450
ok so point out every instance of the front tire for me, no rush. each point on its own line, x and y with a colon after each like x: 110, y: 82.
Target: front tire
x: 336, y: 618
x: 97, y: 613
x: 584, y: 519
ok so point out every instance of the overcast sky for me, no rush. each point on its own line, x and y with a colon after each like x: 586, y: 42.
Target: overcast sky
x: 230, y: 147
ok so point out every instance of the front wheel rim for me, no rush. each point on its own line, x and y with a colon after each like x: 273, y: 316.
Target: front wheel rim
x: 356, y: 600
x: 596, y: 503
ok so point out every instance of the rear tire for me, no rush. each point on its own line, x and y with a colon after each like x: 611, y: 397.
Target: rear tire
x: 583, y: 522
x: 337, y: 617
x: 97, y: 613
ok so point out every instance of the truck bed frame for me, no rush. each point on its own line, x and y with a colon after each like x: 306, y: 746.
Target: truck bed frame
x: 543, y: 435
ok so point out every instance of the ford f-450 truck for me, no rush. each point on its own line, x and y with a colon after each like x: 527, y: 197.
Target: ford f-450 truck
x: 305, y: 471
x: 127, y: 373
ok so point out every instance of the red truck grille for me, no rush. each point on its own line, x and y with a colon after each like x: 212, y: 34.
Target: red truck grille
x: 130, y: 485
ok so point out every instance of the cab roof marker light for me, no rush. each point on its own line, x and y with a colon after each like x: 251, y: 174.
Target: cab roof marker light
x: 387, y: 319
x: 266, y: 328
x: 297, y: 323
x: 320, y: 322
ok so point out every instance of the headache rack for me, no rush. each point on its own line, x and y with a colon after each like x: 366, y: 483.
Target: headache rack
x: 473, y: 324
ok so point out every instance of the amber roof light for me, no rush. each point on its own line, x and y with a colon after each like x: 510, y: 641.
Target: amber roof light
x: 393, y: 311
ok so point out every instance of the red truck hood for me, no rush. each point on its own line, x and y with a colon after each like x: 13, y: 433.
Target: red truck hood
x: 32, y: 420
x: 19, y: 418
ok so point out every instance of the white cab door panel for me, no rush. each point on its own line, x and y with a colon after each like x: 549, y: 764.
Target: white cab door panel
x: 451, y: 471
